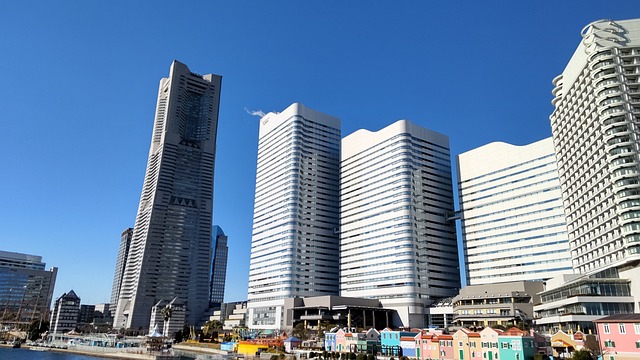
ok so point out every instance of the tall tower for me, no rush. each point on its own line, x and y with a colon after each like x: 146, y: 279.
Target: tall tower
x: 219, y: 267
x: 121, y: 262
x: 396, y: 244
x: 170, y: 254
x: 595, y: 126
x: 294, y: 245
x: 513, y: 224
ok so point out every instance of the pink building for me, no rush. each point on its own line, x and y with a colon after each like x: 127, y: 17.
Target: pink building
x: 446, y: 347
x: 619, y: 336
x: 427, y: 344
x: 341, y: 341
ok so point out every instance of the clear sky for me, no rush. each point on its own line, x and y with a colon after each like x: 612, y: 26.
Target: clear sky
x: 79, y: 79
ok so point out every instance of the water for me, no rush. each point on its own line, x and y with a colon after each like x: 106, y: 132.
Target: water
x: 26, y: 354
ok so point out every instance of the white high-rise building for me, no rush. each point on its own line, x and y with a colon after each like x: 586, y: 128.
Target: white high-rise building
x: 396, y: 244
x: 170, y: 250
x: 294, y: 245
x: 596, y: 131
x: 513, y: 224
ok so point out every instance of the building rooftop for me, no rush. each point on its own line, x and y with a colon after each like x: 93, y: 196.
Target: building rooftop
x: 619, y: 318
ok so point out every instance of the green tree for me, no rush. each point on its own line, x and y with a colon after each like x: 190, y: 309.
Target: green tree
x: 300, y: 331
x: 582, y: 355
x: 37, y: 328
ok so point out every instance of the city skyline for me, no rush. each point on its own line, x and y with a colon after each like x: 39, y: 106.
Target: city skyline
x: 437, y: 71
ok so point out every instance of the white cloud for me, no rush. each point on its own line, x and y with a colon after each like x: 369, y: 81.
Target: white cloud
x: 255, y: 112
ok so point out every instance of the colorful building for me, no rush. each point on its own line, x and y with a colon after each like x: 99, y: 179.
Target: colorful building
x: 516, y: 344
x: 445, y: 347
x: 427, y: 345
x: 489, y: 343
x: 330, y: 341
x: 467, y: 345
x: 391, y: 342
x: 619, y: 336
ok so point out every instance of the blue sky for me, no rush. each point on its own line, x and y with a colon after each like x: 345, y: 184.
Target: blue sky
x: 78, y: 83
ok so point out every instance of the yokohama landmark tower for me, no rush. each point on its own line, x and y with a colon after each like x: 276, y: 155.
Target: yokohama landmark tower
x: 170, y: 253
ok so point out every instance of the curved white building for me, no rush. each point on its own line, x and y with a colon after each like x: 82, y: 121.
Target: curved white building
x: 294, y: 245
x: 395, y: 242
x: 596, y: 134
x: 513, y: 224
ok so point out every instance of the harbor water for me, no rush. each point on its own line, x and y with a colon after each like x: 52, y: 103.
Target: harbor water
x: 26, y: 354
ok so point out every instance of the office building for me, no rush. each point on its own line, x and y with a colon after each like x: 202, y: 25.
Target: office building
x: 219, y: 267
x: 26, y: 289
x: 170, y: 252
x: 571, y: 302
x: 64, y: 316
x: 396, y: 244
x: 86, y: 313
x: 595, y: 133
x: 121, y: 262
x: 294, y: 245
x: 513, y: 224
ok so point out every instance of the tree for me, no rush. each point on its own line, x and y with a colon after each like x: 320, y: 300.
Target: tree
x: 323, y: 327
x: 211, y: 328
x: 37, y: 328
x: 582, y: 355
x: 166, y: 315
x: 300, y: 331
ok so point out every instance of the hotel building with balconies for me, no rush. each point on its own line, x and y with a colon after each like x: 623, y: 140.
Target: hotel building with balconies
x: 596, y: 132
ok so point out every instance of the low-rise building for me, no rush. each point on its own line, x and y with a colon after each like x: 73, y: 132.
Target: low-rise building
x: 427, y: 344
x: 440, y: 313
x: 64, y: 317
x: 391, y: 342
x: 516, y: 344
x: 496, y: 304
x: 619, y: 336
x: 467, y: 345
x: 345, y: 312
x: 572, y: 302
x: 489, y: 343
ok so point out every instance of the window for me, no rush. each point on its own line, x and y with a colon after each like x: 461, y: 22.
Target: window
x: 638, y: 344
x: 609, y: 343
x: 622, y: 329
x: 606, y: 329
x: 505, y: 345
x: 636, y: 328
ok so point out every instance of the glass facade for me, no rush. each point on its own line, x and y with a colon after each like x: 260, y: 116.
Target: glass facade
x: 26, y: 289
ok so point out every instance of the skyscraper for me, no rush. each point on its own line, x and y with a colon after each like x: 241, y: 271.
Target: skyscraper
x: 294, y: 245
x: 513, y: 224
x: 396, y: 244
x: 595, y: 127
x: 121, y: 262
x: 170, y: 252
x: 219, y: 266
